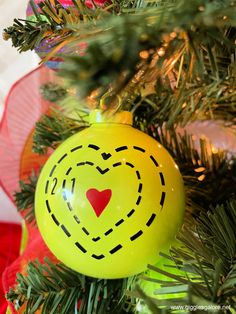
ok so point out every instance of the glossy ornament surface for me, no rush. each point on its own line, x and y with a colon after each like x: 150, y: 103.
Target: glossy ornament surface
x: 109, y: 199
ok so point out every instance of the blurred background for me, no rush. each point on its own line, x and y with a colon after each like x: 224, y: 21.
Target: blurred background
x: 12, y: 67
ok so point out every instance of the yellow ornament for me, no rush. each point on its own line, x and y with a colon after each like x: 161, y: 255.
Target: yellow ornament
x: 109, y: 199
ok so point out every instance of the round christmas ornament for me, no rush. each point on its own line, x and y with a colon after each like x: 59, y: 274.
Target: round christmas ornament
x: 109, y: 199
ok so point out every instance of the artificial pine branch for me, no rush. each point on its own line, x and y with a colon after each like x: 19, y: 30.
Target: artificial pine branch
x: 198, y: 49
x: 53, y: 129
x: 25, y: 198
x: 208, y: 258
x: 54, y: 21
x: 53, y: 24
x: 56, y: 289
x: 183, y: 66
x: 26, y: 35
x: 205, y: 171
x: 53, y: 92
x: 214, y: 100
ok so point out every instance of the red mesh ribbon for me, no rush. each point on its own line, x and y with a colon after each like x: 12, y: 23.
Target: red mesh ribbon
x: 24, y: 106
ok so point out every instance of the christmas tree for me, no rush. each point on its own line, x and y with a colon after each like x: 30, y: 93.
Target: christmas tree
x: 172, y: 64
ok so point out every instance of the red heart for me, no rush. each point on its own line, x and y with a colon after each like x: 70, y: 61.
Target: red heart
x: 98, y: 200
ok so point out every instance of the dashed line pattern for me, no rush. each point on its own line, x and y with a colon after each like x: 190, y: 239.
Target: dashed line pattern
x: 119, y: 149
x: 68, y: 171
x: 52, y: 171
x: 76, y: 148
x: 65, y: 231
x: 63, y: 157
x: 46, y: 187
x: 95, y: 147
x: 107, y: 169
x: 105, y: 156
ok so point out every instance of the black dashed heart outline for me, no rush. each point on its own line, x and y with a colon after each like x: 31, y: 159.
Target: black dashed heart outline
x: 105, y: 156
x: 120, y: 221
x: 76, y: 218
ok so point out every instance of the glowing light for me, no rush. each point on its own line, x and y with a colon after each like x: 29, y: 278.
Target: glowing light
x: 161, y: 52
x: 144, y: 54
x: 200, y: 169
x: 214, y: 149
x: 173, y: 35
x: 202, y: 177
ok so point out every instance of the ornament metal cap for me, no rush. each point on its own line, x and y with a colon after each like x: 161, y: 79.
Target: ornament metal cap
x: 110, y: 116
